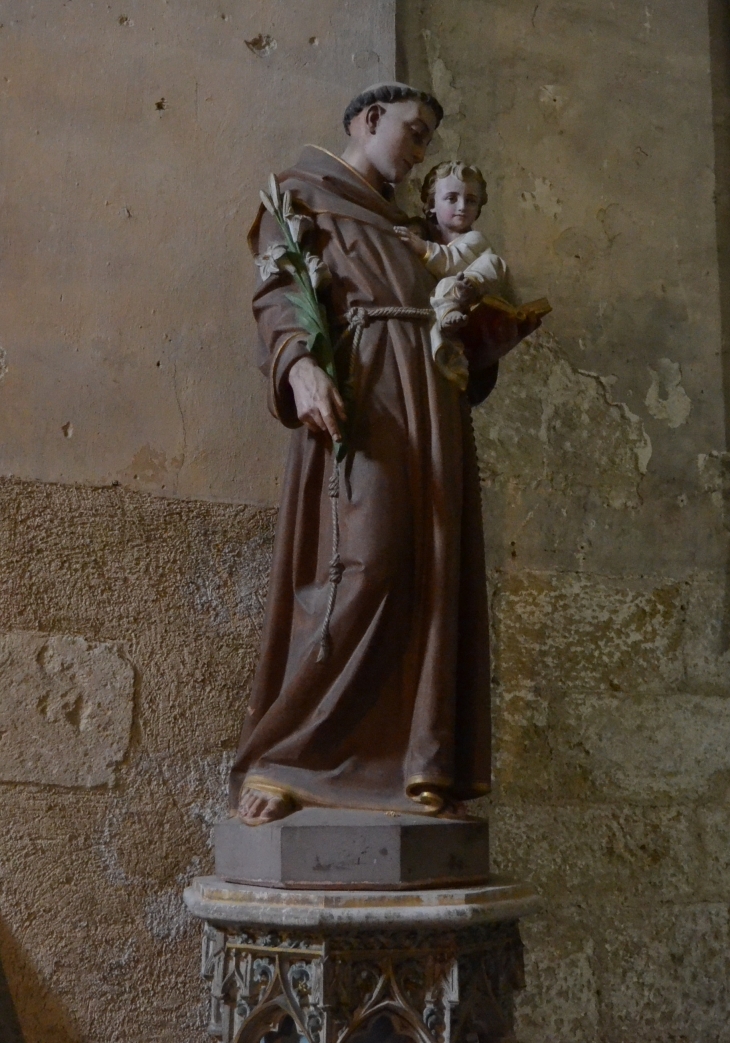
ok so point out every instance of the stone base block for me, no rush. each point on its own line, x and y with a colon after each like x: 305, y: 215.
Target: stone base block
x: 326, y: 848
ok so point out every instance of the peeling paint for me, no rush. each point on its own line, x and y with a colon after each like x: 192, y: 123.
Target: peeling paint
x: 666, y: 399
x: 450, y: 97
x: 714, y: 472
x: 552, y: 99
x: 263, y: 45
x: 559, y: 426
x: 544, y: 199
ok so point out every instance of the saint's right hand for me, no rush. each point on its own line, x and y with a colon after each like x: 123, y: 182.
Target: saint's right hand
x: 319, y: 404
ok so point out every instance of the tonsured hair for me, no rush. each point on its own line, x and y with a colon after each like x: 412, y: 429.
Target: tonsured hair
x: 442, y: 170
x: 387, y: 93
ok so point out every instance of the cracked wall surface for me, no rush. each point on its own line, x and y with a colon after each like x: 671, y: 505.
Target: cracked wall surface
x: 604, y: 467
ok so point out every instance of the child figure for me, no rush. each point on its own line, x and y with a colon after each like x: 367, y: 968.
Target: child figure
x: 453, y: 195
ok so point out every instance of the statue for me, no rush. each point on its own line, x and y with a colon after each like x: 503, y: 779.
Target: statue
x: 453, y: 196
x: 372, y: 689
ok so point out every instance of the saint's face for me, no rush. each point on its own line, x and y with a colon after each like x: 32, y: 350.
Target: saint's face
x: 456, y: 204
x: 401, y: 138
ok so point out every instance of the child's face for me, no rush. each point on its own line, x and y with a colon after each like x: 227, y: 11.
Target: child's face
x: 456, y: 204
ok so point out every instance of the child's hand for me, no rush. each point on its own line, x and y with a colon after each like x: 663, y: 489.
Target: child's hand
x: 418, y: 245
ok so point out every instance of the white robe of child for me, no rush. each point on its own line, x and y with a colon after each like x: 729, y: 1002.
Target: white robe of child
x: 468, y: 254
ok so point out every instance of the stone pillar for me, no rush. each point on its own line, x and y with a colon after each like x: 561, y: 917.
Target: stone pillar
x: 315, y: 966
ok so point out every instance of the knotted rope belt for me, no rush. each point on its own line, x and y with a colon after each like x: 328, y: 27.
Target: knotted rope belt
x: 358, y: 319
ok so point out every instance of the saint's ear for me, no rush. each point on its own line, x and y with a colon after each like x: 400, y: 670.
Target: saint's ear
x: 373, y: 116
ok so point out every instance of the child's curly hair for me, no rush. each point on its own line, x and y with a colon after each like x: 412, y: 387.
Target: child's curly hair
x: 463, y: 171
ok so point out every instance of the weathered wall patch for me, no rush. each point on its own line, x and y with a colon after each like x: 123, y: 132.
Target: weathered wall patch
x: 65, y: 709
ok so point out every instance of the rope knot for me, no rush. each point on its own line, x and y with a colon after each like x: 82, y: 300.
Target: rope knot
x: 336, y: 570
x: 358, y: 317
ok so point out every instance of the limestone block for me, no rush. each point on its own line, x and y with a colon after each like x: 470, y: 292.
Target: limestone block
x: 561, y: 1003
x: 644, y: 750
x: 714, y: 830
x: 705, y: 649
x: 65, y: 709
x: 581, y: 631
x: 666, y: 968
x: 609, y: 850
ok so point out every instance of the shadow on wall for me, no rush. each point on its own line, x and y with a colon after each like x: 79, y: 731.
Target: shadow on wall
x: 24, y: 998
x: 719, y: 16
x: 9, y: 1025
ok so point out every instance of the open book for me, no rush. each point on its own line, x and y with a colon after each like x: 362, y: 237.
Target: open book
x: 522, y: 312
x: 495, y: 327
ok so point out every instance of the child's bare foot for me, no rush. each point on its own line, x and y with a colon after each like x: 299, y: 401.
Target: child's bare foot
x: 453, y: 321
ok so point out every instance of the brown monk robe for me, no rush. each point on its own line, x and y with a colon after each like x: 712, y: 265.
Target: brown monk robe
x: 400, y: 708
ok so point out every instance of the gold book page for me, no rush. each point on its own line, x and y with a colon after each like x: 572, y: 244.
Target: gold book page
x: 536, y: 309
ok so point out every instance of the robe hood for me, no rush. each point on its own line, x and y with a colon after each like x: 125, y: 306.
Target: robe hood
x: 323, y: 183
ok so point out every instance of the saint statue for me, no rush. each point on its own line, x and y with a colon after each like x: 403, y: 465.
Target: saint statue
x: 393, y: 714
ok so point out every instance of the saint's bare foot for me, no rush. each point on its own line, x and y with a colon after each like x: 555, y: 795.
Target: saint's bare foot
x: 256, y: 808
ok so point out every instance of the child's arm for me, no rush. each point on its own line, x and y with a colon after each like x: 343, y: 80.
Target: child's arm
x: 418, y: 245
x: 452, y: 258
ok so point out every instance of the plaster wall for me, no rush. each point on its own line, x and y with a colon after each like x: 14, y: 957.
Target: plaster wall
x: 135, y: 138
x: 605, y: 479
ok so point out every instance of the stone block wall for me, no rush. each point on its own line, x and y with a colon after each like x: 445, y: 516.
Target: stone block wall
x: 114, y: 747
x: 605, y: 472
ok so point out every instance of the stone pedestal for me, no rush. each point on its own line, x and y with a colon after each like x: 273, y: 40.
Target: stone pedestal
x: 318, y: 966
x: 339, y: 849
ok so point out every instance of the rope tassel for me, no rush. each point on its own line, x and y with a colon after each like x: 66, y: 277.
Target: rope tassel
x: 336, y: 567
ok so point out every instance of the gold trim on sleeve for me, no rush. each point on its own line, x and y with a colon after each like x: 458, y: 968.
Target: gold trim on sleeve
x: 274, y: 366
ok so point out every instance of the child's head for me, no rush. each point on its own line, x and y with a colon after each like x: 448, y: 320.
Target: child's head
x: 453, y: 195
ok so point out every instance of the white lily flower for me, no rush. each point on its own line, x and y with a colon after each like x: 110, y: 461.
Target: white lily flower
x: 299, y: 225
x: 274, y: 190
x: 319, y: 273
x: 267, y: 203
x: 269, y: 262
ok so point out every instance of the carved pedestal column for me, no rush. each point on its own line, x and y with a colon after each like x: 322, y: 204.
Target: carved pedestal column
x: 361, y: 966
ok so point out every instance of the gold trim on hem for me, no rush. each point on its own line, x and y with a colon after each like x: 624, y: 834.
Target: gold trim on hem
x: 428, y: 780
x: 431, y: 783
x: 305, y: 799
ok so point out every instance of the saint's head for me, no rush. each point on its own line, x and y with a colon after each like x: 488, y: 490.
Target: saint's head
x: 390, y: 126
